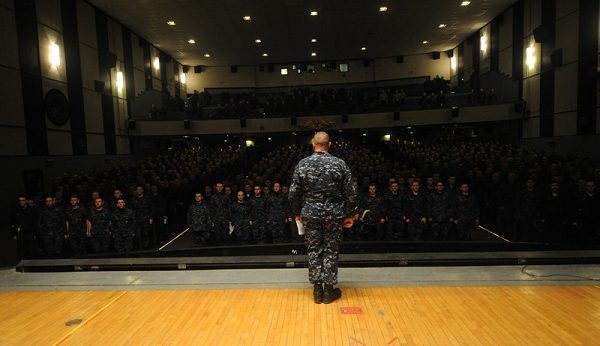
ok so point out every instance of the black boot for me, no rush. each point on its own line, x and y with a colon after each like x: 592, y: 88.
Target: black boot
x: 331, y: 294
x: 318, y: 293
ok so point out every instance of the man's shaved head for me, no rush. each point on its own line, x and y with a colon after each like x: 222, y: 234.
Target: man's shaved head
x: 321, y: 140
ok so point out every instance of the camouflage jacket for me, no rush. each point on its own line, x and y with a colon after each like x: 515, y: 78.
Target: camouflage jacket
x: 100, y: 220
x: 322, y: 187
x: 51, y: 220
x: 122, y: 221
x: 76, y: 218
x: 199, y: 215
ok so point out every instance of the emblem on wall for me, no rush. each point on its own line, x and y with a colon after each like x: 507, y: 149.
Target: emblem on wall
x: 57, y: 107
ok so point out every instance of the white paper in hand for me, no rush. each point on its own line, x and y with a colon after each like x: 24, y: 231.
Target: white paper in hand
x: 300, y: 227
x: 231, y: 227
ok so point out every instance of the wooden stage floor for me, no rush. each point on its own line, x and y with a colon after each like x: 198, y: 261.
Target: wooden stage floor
x: 497, y: 315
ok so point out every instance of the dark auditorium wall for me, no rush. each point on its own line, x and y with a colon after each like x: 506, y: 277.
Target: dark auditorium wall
x: 562, y: 100
x: 378, y: 69
x: 86, y: 38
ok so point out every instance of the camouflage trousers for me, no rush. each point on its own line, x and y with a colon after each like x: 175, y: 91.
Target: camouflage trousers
x: 323, y: 238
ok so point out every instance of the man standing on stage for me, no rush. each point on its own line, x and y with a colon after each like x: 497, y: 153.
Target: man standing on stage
x: 322, y: 198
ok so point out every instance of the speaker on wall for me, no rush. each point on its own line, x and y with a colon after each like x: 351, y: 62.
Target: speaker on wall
x: 435, y: 55
x: 455, y: 112
x: 243, y: 123
x: 294, y: 121
x: 450, y: 53
x: 234, y: 69
x: 366, y: 62
x: 542, y: 33
x: 185, y: 68
x: 270, y: 68
x: 186, y: 124
x: 396, y: 116
x: 98, y: 86
x: 400, y: 59
x: 344, y: 118
x: 110, y: 60
x: 131, y: 124
x: 197, y: 69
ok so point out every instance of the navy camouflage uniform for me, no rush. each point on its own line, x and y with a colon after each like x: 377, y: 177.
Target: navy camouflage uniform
x: 277, y: 215
x: 199, y: 221
x: 123, y: 226
x: 52, y: 230
x: 100, y: 233
x: 258, y: 217
x: 240, y: 220
x: 466, y: 214
x: 322, y: 193
x: 219, y: 208
x: 76, y: 219
x: 440, y: 205
x: 395, y: 211
x: 24, y: 226
x: 415, y: 208
x: 372, y: 227
x: 144, y: 211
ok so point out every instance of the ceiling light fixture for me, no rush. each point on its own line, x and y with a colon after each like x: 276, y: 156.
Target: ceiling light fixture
x: 465, y: 3
x: 425, y: 42
x: 247, y: 18
x: 171, y: 22
x: 383, y: 9
x: 258, y: 40
x: 314, y: 13
x: 265, y: 54
x: 207, y: 55
x: 363, y: 48
x: 313, y: 54
x: 441, y: 26
x: 192, y: 41
x: 313, y: 40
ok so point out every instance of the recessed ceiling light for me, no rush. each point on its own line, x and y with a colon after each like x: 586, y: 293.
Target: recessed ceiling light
x: 171, y: 22
x: 247, y: 18
x: 192, y: 41
x: 313, y: 40
x: 313, y: 54
x: 425, y: 42
x: 363, y: 48
x: 441, y: 26
x: 207, y: 55
x: 383, y: 9
x: 258, y: 40
x: 465, y: 3
x: 265, y: 54
x: 314, y: 13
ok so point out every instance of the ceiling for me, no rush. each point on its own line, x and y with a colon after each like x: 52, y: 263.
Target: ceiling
x: 285, y: 27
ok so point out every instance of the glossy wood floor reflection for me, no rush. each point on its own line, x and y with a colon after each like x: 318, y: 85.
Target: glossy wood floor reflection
x: 549, y: 315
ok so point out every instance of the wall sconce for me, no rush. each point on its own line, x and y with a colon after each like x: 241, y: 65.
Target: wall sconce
x: 483, y: 43
x: 182, y: 78
x: 156, y: 63
x: 54, y: 54
x: 453, y: 63
x: 530, y: 57
x: 387, y: 137
x: 119, y: 80
x: 249, y: 143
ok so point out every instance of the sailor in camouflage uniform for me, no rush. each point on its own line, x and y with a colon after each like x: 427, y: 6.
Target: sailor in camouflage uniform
x: 76, y: 221
x: 439, y: 212
x: 372, y: 209
x: 395, y: 211
x: 199, y: 219
x: 144, y: 213
x: 219, y: 211
x: 466, y: 213
x: 98, y: 226
x: 52, y: 228
x: 278, y: 213
x: 239, y: 212
x: 258, y: 215
x: 322, y: 198
x: 123, y: 226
